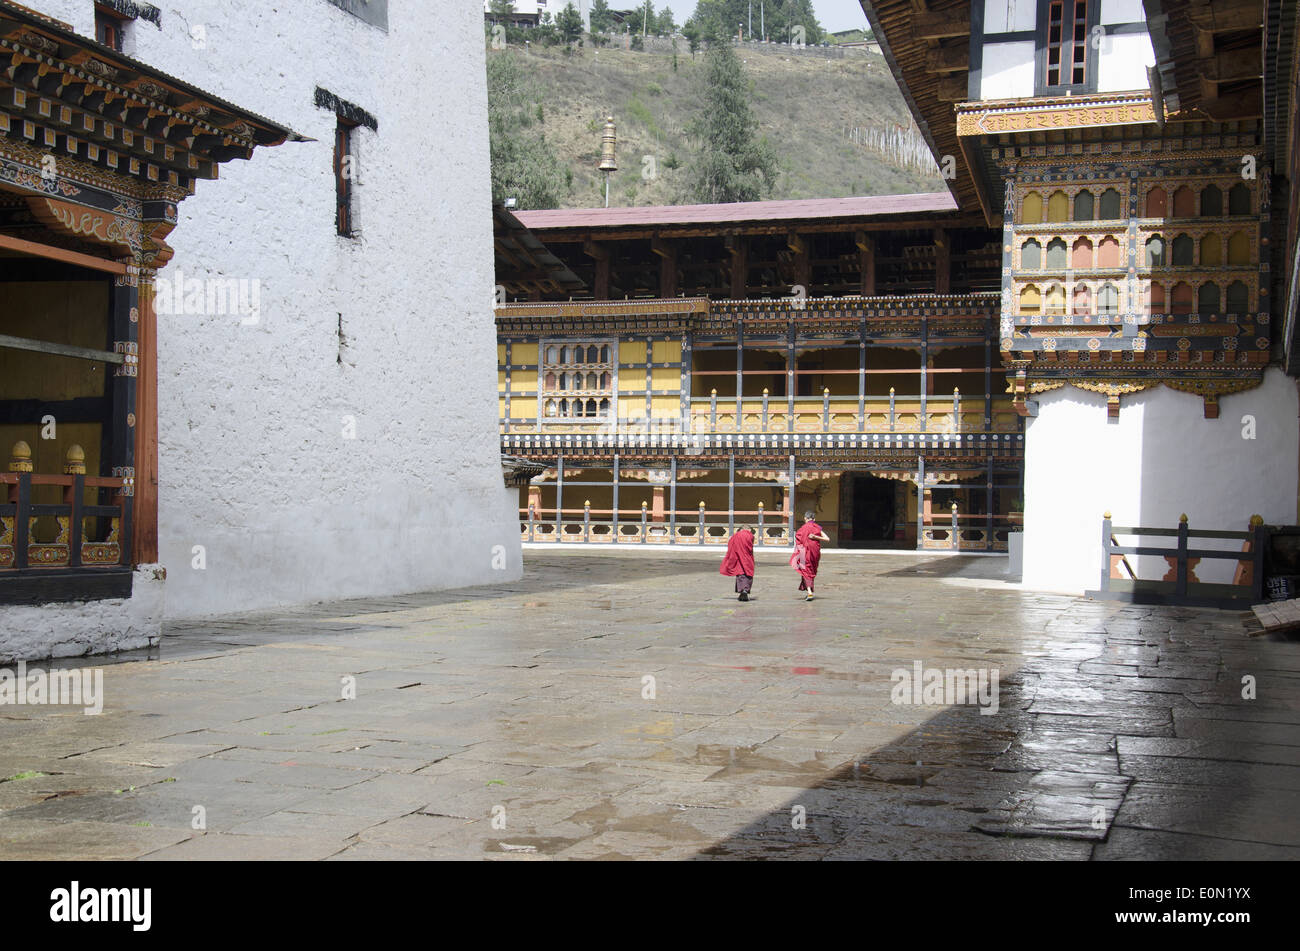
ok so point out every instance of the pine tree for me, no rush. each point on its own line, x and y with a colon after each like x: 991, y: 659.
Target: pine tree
x: 524, y: 166
x: 732, y: 163
x: 601, y: 17
x: 569, y: 22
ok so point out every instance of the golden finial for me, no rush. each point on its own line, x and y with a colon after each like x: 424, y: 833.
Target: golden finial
x: 1182, y: 519
x: 75, y: 461
x: 21, y: 456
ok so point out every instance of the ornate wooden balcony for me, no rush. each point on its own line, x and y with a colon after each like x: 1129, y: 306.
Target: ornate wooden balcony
x: 68, y: 549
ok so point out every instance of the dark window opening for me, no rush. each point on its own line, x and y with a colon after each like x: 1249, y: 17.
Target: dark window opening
x: 344, y: 175
x: 110, y: 28
x: 1064, y: 45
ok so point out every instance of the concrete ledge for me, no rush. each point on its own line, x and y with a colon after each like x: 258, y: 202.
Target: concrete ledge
x: 78, y: 628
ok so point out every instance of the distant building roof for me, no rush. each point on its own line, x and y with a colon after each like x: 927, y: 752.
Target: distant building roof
x: 735, y: 212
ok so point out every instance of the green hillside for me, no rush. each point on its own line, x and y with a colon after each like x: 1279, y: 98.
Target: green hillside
x: 826, y: 113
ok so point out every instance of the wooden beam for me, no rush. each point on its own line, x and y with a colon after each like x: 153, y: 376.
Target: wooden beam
x: 941, y: 26
x: 953, y: 60
x: 59, y: 254
x: 59, y: 349
x: 953, y: 89
x: 738, y: 248
x: 867, y: 263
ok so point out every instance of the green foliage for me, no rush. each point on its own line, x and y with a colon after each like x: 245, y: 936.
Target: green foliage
x: 723, y: 16
x: 524, y: 166
x: 637, y: 42
x: 731, y: 163
x: 602, y: 20
x: 569, y: 24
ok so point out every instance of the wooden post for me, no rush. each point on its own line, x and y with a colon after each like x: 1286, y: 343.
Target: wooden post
x: 862, y: 376
x: 731, y: 494
x: 672, y: 501
x: 532, y: 523
x: 144, y: 517
x: 645, y: 531
x: 920, y: 489
x: 1106, y: 556
x: 124, y: 319
x: 739, y: 250
x: 988, y: 509
x: 956, y: 410
x: 791, y: 501
x: 559, y: 498
x: 866, y: 263
x: 953, y: 542
x: 1260, y: 539
x: 740, y: 372
x: 826, y: 409
x: 790, y: 365
x: 701, y: 528
x: 893, y: 420
x: 1180, y: 580
x: 925, y: 379
x: 765, y: 396
x: 761, y: 535
x: 614, y: 515
x: 988, y: 381
x: 586, y: 520
x: 713, y: 411
x: 667, y: 266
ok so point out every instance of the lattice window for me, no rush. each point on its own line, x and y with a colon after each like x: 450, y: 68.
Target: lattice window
x: 1066, y: 48
x: 577, y: 379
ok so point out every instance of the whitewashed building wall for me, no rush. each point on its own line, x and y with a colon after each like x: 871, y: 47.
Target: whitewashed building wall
x: 387, y: 337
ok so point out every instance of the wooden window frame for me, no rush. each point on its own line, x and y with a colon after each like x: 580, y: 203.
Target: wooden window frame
x: 609, y: 366
x: 344, y: 145
x: 106, y: 18
x: 1092, y: 17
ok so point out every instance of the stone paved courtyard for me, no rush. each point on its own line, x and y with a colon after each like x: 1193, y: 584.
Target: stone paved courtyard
x: 1121, y: 731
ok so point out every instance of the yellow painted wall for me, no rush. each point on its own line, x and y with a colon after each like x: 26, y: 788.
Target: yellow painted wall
x: 68, y: 312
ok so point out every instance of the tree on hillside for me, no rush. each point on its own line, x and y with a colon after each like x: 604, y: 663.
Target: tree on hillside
x: 524, y: 166
x: 601, y: 17
x: 500, y: 8
x: 569, y: 22
x: 667, y: 25
x: 645, y: 20
x: 778, y: 18
x: 732, y: 163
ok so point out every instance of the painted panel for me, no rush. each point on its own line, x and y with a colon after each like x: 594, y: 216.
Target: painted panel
x: 1124, y: 61
x: 1010, y: 16
x: 1008, y: 71
x: 1122, y: 11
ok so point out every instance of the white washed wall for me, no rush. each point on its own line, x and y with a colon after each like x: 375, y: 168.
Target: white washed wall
x: 253, y: 463
x: 1161, y: 458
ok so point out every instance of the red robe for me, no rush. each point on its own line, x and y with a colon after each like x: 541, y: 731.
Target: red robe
x: 739, y: 559
x: 807, y: 553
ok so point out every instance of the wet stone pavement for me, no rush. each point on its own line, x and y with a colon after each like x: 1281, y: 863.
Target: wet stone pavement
x: 519, y: 723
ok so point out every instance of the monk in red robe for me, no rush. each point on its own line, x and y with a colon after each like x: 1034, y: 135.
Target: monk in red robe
x: 808, y: 552
x: 739, y: 561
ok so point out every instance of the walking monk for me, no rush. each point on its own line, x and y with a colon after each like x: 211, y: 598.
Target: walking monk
x: 808, y: 552
x: 739, y: 561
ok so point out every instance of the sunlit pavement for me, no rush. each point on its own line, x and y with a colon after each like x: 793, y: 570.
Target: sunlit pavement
x: 625, y: 705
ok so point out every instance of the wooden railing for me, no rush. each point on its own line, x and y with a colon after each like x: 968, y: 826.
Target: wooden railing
x: 843, y: 414
x: 639, y: 527
x: 1180, y: 585
x: 971, y: 532
x: 83, y: 535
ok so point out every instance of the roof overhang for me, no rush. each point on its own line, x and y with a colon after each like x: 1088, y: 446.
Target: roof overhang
x: 102, y: 147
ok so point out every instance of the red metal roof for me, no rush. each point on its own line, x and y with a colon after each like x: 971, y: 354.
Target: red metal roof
x: 871, y: 206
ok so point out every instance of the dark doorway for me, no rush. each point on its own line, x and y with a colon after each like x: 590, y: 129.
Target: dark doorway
x: 873, y: 511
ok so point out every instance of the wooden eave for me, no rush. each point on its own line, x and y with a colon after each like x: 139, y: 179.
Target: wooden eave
x: 927, y: 57
x: 67, y: 93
